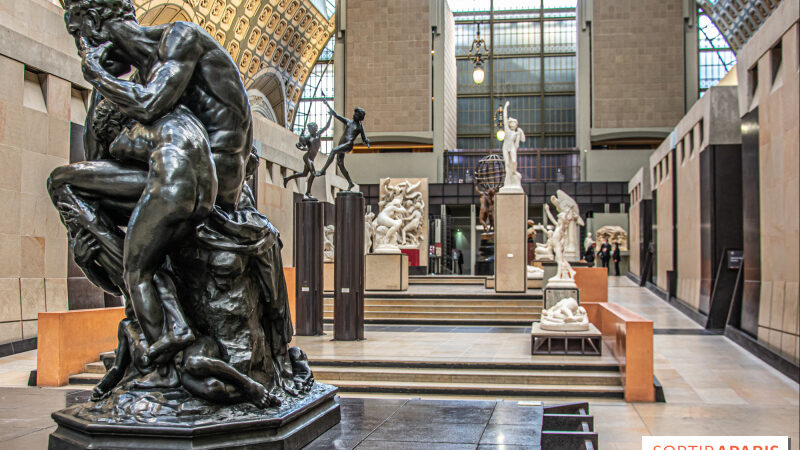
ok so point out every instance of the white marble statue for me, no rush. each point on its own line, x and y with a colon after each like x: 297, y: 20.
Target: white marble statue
x: 387, y: 226
x: 410, y: 233
x: 563, y: 203
x: 566, y: 315
x: 369, y: 231
x: 544, y: 252
x: 513, y: 136
x: 568, y: 216
x: 535, y: 273
x: 588, y: 241
x: 327, y: 244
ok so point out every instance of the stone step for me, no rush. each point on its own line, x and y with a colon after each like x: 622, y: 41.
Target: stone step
x: 438, y: 279
x: 507, y: 390
x: 447, y: 308
x: 86, y: 378
x: 438, y: 293
x: 533, y: 302
x: 334, y: 374
x: 95, y: 367
x: 391, y: 314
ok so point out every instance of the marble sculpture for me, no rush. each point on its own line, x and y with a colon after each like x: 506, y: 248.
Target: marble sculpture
x: 568, y: 216
x: 513, y: 136
x: 614, y: 234
x: 566, y: 315
x: 328, y: 242
x: 408, y: 209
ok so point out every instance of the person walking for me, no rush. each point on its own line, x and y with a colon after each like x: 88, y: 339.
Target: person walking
x: 615, y: 257
x: 605, y: 253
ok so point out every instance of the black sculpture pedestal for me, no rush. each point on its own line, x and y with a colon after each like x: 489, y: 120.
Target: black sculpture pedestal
x: 308, y: 281
x: 485, y: 263
x: 348, y: 290
x: 182, y: 422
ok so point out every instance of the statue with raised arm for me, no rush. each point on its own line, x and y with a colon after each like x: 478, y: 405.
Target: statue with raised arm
x: 310, y: 144
x: 352, y: 130
x: 513, y: 136
x: 161, y: 213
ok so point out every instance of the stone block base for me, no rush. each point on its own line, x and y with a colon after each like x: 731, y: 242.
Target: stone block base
x: 386, y: 272
x: 544, y: 342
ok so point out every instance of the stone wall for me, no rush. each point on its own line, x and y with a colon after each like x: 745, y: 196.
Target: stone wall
x: 637, y: 63
x: 388, y: 60
x: 663, y: 226
x: 773, y: 87
x: 687, y: 171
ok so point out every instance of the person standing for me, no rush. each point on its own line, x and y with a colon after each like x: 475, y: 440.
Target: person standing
x: 460, y: 263
x: 605, y: 253
x: 588, y: 256
x: 615, y: 257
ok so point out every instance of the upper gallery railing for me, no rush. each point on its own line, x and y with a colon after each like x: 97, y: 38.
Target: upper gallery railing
x: 559, y: 165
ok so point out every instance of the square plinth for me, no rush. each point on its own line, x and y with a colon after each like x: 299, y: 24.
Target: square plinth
x: 546, y: 342
x: 327, y: 276
x: 511, y: 246
x: 386, y: 272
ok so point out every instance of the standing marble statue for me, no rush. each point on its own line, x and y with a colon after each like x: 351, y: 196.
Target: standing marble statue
x: 567, y: 217
x: 369, y: 231
x: 588, y: 241
x: 564, y: 203
x: 328, y: 242
x: 513, y: 136
x: 160, y: 213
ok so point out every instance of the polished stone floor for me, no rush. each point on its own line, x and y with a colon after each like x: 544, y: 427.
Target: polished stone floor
x: 712, y: 387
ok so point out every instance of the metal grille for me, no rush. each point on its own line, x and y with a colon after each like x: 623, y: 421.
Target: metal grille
x: 557, y: 165
x: 319, y: 87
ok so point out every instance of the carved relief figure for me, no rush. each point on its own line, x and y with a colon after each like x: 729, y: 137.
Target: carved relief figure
x: 614, y: 234
x: 387, y: 225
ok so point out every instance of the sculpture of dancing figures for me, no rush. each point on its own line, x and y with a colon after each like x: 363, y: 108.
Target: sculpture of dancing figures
x: 387, y: 224
x: 352, y: 129
x: 309, y: 143
x: 413, y: 222
x: 513, y: 136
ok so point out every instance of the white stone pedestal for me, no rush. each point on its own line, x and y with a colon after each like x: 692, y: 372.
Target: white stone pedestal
x: 386, y: 272
x: 510, y: 254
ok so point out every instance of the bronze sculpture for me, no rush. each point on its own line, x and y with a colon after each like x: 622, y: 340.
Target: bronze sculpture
x: 161, y: 213
x: 486, y: 216
x: 352, y: 130
x: 310, y: 144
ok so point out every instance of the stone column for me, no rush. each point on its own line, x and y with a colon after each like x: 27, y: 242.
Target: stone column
x: 510, y: 250
x: 308, y: 282
x: 348, y: 290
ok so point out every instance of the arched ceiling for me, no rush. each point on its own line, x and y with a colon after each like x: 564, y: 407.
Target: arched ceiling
x: 738, y: 20
x: 264, y: 37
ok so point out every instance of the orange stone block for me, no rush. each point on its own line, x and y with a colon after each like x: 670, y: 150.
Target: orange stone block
x: 593, y: 283
x: 67, y: 340
x: 630, y: 337
x: 289, y: 273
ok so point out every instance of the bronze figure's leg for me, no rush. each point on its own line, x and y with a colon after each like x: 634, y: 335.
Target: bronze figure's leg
x: 340, y: 164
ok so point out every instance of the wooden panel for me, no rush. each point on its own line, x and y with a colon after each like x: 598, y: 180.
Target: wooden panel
x: 289, y: 274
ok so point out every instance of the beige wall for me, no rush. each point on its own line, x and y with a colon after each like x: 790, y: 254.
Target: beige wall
x: 687, y: 169
x: 779, y: 171
x: 633, y: 233
x: 637, y: 63
x: 388, y: 61
x: 664, y: 229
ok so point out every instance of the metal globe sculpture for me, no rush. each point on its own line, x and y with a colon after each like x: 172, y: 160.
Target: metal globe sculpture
x: 490, y: 172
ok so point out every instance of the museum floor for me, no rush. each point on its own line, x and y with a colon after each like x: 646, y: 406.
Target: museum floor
x: 712, y: 387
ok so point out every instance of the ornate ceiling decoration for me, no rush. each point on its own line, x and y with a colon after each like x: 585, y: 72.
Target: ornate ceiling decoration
x: 275, y: 43
x: 738, y: 20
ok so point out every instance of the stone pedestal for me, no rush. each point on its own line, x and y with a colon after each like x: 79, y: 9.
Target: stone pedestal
x: 585, y: 342
x: 348, y: 288
x: 327, y: 276
x: 386, y: 272
x: 308, y: 281
x: 510, y: 255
